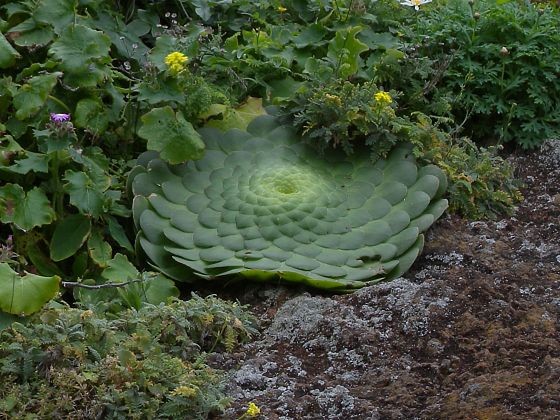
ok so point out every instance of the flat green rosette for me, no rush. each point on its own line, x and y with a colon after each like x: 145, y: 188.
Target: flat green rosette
x: 262, y: 205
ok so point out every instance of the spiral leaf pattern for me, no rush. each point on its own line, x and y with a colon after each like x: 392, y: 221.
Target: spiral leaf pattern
x: 261, y: 204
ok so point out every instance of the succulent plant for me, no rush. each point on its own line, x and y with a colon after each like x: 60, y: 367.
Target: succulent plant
x: 263, y: 205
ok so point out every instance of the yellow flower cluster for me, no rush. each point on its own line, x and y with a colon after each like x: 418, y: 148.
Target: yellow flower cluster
x: 253, y: 410
x: 335, y: 99
x: 184, y: 391
x: 175, y: 61
x: 383, y: 98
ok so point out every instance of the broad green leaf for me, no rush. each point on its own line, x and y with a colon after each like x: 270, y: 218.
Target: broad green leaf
x: 90, y: 113
x: 31, y: 96
x: 25, y: 210
x: 158, y: 289
x: 36, y: 162
x: 35, y: 38
x: 284, y: 89
x: 310, y: 36
x: 120, y: 270
x: 99, y: 250
x: 69, y: 235
x: 165, y: 44
x: 8, y: 55
x: 344, y: 51
x: 23, y: 295
x: 235, y: 118
x: 85, y: 193
x: 58, y: 13
x: 78, y: 46
x: 171, y: 135
x: 163, y: 91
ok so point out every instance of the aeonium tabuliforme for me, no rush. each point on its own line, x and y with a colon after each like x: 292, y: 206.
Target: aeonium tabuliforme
x: 263, y: 205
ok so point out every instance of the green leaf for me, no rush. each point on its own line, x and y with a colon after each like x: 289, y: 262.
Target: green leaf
x: 310, y: 36
x: 36, y: 162
x: 158, y: 289
x: 23, y: 295
x: 69, y: 235
x: 25, y: 210
x: 34, y: 38
x: 78, y: 46
x: 235, y: 118
x: 120, y: 270
x: 31, y: 96
x: 44, y: 265
x: 99, y: 250
x: 58, y: 13
x: 90, y: 113
x: 85, y: 193
x: 344, y: 51
x: 165, y: 44
x: 6, y: 320
x: 118, y: 234
x: 171, y: 135
x: 8, y: 55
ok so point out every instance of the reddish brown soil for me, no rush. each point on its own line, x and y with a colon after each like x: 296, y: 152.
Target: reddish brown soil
x: 471, y: 332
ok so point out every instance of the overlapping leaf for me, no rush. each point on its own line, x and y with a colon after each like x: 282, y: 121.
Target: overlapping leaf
x: 262, y: 205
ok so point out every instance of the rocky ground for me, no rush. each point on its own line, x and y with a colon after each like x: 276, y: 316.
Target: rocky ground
x: 471, y: 332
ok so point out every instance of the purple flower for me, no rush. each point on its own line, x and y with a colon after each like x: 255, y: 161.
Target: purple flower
x: 59, y: 118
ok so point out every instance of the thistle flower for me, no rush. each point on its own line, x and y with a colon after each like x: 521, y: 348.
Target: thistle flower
x: 414, y: 3
x: 59, y: 118
x: 175, y: 61
x: 383, y: 98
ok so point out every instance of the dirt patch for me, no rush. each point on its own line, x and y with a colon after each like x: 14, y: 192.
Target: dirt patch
x: 471, y: 332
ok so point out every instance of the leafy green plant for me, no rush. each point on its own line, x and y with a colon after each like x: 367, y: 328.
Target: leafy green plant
x: 262, y: 205
x: 346, y: 115
x: 145, y: 364
x: 502, y: 76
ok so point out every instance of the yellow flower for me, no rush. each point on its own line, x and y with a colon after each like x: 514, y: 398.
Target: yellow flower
x: 383, y: 98
x: 184, y: 391
x: 282, y: 9
x: 175, y: 61
x: 335, y: 99
x: 253, y: 410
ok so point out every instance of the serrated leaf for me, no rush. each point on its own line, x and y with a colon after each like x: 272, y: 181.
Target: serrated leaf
x: 31, y: 96
x: 171, y: 135
x: 23, y: 295
x: 85, y: 194
x: 32, y: 162
x: 58, y: 13
x: 344, y: 51
x: 25, y: 210
x: 78, y: 46
x: 69, y: 236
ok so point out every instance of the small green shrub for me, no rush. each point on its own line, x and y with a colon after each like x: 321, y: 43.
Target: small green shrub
x: 145, y: 364
x: 501, y: 66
